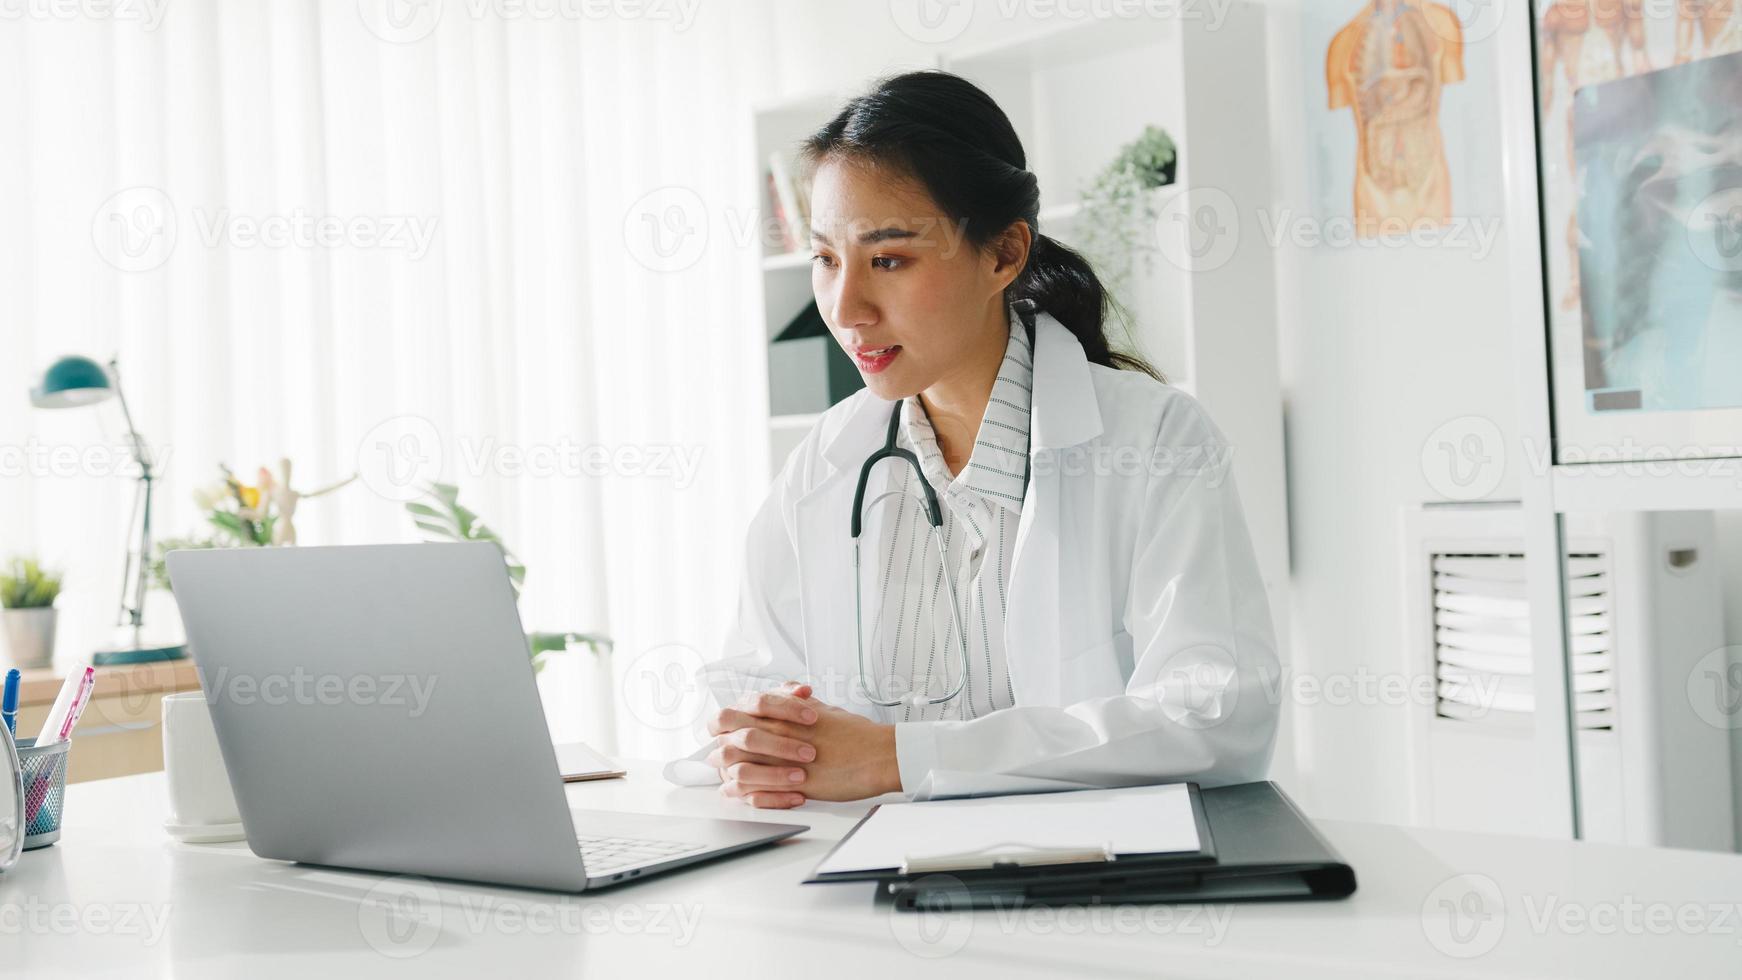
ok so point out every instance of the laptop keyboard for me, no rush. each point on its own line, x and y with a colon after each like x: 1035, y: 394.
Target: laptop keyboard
x: 602, y: 855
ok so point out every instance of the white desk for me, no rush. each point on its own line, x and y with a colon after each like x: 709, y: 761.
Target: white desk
x: 116, y: 897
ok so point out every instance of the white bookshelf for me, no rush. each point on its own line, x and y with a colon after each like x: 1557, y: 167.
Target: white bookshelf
x: 1076, y: 93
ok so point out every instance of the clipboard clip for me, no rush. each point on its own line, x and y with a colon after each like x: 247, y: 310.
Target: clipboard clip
x: 1008, y: 855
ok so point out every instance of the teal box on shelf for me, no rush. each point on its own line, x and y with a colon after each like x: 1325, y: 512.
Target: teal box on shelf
x: 807, y: 370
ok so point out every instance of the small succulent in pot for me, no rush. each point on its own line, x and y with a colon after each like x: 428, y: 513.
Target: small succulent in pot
x: 27, y: 593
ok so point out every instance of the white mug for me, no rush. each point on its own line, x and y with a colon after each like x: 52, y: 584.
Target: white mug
x: 202, y: 809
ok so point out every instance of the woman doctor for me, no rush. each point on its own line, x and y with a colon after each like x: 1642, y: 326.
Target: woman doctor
x: 1083, y: 609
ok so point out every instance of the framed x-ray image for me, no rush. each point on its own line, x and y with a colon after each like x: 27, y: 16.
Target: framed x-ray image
x: 1640, y: 144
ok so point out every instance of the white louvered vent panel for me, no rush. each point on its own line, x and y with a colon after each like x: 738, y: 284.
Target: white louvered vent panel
x: 1482, y: 653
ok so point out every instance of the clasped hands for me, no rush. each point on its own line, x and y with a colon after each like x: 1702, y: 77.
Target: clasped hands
x: 781, y: 747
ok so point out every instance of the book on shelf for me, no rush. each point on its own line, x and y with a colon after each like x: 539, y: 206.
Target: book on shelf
x: 790, y: 202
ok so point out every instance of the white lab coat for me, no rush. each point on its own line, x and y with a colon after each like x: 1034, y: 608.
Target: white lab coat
x: 1138, y: 637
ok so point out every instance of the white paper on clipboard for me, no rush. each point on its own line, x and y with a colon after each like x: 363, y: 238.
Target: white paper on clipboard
x: 1136, y: 820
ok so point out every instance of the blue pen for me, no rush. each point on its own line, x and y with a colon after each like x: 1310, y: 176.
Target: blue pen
x: 9, y: 703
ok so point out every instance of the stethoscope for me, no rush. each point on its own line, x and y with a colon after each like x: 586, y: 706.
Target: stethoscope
x: 934, y: 516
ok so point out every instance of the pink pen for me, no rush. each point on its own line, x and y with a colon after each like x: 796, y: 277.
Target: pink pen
x: 80, y: 698
x: 36, y: 794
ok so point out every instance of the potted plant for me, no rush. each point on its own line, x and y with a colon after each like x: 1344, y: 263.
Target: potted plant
x: 27, y: 593
x: 242, y: 516
x: 1118, y: 210
x: 442, y: 517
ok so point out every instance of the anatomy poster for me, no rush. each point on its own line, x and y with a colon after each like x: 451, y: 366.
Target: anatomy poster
x: 1641, y: 148
x: 1398, y: 142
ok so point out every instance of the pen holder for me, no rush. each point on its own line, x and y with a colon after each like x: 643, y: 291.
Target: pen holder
x: 44, y: 773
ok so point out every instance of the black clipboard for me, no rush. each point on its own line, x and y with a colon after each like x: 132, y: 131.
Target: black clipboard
x: 1035, y: 863
x: 1267, y: 850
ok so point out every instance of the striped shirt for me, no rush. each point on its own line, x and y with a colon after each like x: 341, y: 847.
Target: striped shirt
x: 913, y: 643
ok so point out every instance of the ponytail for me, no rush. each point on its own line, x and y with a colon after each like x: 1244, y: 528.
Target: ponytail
x: 1060, y: 281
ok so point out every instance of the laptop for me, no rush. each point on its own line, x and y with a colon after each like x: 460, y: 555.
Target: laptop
x: 376, y: 708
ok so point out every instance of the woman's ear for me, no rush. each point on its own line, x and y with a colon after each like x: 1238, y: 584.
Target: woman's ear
x: 1011, y: 250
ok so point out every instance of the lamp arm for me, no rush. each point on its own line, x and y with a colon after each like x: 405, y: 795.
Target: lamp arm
x: 135, y: 612
x: 140, y: 452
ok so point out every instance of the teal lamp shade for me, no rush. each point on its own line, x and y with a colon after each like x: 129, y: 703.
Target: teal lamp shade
x: 71, y: 382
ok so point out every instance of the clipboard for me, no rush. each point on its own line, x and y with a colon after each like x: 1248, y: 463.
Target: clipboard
x: 997, y: 860
x: 1268, y: 850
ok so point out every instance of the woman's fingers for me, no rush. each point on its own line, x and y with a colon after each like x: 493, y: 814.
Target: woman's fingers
x: 786, y: 704
x: 756, y: 741
x: 741, y: 784
x: 728, y: 753
x: 755, y: 775
x: 765, y: 800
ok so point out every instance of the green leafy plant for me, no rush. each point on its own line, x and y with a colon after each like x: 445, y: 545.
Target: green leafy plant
x: 1119, y: 212
x: 441, y: 516
x: 27, y: 585
x: 160, y: 568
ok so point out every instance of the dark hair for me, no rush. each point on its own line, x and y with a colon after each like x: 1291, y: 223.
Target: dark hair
x: 949, y: 136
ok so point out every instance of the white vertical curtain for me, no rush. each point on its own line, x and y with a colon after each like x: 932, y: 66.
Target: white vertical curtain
x: 417, y: 238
